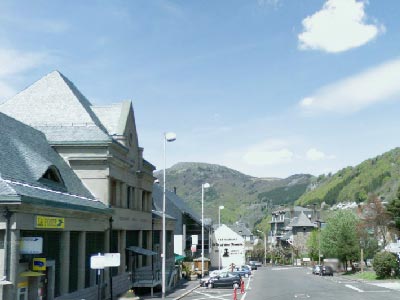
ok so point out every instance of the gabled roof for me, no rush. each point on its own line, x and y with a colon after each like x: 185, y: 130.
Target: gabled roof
x: 172, y: 199
x: 114, y: 117
x: 241, y: 229
x: 25, y: 156
x: 301, y: 221
x: 224, y: 232
x: 54, y: 104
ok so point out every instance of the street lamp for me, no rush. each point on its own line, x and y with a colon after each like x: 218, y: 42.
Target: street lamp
x: 219, y: 247
x: 265, y: 246
x: 219, y: 214
x: 203, y: 186
x: 168, y: 137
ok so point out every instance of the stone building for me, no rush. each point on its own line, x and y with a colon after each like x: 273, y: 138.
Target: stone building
x: 50, y: 223
x: 100, y: 144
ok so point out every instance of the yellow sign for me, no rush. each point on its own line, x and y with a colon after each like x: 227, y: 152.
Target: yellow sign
x: 49, y: 222
x: 39, y: 264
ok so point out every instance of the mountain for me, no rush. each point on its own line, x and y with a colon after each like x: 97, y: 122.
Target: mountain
x: 379, y: 175
x: 244, y: 197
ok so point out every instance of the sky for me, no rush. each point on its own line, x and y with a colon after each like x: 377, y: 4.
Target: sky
x: 270, y: 88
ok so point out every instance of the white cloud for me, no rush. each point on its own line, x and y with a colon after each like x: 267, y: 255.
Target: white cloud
x: 314, y: 155
x: 12, y: 63
x: 338, y: 26
x: 378, y: 84
x: 270, y: 152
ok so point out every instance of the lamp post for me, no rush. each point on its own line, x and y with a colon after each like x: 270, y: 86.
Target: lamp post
x: 203, y: 186
x: 219, y: 247
x: 219, y: 214
x: 265, y: 246
x: 168, y: 137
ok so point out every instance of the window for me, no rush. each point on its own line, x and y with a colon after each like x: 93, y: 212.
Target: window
x: 128, y: 196
x: 52, y: 178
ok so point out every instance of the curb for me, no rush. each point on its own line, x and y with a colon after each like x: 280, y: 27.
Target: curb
x: 186, y: 293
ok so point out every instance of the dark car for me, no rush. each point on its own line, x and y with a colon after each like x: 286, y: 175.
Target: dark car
x: 225, y: 279
x: 243, y: 271
x: 326, y: 271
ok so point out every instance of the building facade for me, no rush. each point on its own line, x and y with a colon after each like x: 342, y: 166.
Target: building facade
x: 50, y: 222
x: 100, y: 144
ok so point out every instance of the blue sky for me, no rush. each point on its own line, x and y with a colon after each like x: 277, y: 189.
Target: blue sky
x: 267, y: 87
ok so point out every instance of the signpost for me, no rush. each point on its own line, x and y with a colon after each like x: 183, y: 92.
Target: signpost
x: 99, y: 262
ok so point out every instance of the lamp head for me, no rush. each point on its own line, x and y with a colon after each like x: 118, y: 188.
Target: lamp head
x: 170, y: 136
x: 206, y: 185
x: 221, y: 207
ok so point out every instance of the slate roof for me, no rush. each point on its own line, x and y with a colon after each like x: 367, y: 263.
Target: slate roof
x: 25, y: 156
x: 172, y: 198
x: 113, y: 117
x: 241, y: 229
x: 56, y: 106
x: 301, y: 221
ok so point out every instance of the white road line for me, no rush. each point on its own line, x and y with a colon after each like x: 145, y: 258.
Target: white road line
x: 285, y: 268
x: 214, y: 296
x: 354, y: 288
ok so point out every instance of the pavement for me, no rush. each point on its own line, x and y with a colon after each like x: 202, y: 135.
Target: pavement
x: 183, y: 288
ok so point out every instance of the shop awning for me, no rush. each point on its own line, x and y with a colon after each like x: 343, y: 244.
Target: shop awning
x: 31, y: 274
x: 140, y: 251
x: 179, y: 257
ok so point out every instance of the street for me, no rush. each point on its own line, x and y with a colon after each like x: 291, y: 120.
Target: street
x: 280, y: 283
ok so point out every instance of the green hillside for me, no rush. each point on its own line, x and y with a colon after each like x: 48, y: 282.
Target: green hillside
x: 379, y: 175
x: 245, y: 198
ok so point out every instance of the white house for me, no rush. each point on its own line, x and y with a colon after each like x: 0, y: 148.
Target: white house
x: 227, y: 247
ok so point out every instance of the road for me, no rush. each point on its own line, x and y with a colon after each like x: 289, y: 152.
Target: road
x: 282, y: 283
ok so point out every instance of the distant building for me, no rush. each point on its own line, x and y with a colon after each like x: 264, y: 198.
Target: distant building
x: 281, y: 218
x: 241, y: 229
x: 188, y: 222
x: 227, y: 247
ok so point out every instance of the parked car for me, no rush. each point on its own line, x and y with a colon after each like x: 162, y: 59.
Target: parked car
x: 224, y: 279
x: 242, y: 271
x: 253, y: 266
x: 256, y: 262
x: 326, y: 271
x: 316, y: 270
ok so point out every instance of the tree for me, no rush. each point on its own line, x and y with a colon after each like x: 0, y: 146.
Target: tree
x: 377, y: 218
x: 385, y: 264
x: 313, y: 245
x: 339, y: 238
x: 394, y: 209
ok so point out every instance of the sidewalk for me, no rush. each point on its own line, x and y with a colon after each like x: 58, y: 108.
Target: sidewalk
x: 183, y: 288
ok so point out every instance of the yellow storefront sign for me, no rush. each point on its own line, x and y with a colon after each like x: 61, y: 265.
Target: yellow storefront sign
x: 49, y: 222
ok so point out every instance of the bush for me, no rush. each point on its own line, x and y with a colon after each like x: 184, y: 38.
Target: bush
x: 385, y: 264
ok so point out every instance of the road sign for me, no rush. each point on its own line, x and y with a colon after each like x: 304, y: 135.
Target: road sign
x: 112, y: 259
x: 31, y: 245
x: 50, y: 222
x: 97, y: 261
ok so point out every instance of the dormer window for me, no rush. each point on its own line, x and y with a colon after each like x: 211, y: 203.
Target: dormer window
x: 52, y: 177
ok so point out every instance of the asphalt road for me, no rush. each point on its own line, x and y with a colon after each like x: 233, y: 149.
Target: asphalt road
x: 279, y: 283
x: 282, y: 283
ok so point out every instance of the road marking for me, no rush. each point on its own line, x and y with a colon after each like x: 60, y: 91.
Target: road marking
x: 302, y: 296
x: 213, y: 296
x: 286, y: 268
x: 354, y: 288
